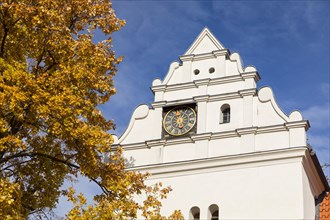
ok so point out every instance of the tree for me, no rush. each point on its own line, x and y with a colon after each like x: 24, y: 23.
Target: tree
x: 52, y: 78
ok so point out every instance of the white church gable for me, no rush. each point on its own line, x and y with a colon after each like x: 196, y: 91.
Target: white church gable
x: 204, y: 43
x: 208, y: 117
x: 221, y: 80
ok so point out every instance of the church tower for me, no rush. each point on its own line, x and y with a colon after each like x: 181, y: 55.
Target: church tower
x: 225, y: 147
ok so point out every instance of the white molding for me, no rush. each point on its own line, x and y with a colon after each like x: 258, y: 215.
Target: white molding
x: 224, y: 52
x: 207, y: 98
x: 178, y: 140
x: 212, y: 136
x: 205, y: 56
x: 206, y: 81
x: 261, y: 158
x: 253, y: 74
x: 272, y: 128
x: 225, y: 96
x: 189, y: 57
x: 202, y: 82
x: 303, y: 123
x: 172, y: 103
x: 201, y: 137
x: 158, y: 88
x: 226, y: 79
x: 247, y: 92
x: 154, y: 143
x: 202, y: 98
x: 158, y: 104
x: 225, y: 134
x: 244, y: 131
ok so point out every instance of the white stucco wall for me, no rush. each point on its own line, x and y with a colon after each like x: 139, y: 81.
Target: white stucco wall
x: 309, y: 200
x: 247, y: 192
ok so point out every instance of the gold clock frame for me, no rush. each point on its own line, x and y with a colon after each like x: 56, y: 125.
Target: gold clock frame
x: 173, y: 109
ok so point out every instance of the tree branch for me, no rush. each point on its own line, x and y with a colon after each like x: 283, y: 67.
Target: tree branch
x: 5, y: 33
x: 100, y: 185
x: 15, y: 164
x: 36, y: 154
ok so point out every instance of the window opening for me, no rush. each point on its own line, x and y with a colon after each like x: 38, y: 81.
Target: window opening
x: 215, y: 215
x: 225, y: 114
x: 194, y: 213
x: 196, y: 71
x: 196, y: 216
x: 211, y: 70
x: 214, y: 212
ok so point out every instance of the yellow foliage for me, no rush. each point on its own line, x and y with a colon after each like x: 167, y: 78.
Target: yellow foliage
x: 53, y: 75
x: 9, y: 197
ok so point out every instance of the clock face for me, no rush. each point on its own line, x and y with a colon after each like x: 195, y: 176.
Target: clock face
x: 179, y: 121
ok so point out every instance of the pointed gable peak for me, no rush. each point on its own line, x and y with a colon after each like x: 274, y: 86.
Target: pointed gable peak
x: 205, y: 42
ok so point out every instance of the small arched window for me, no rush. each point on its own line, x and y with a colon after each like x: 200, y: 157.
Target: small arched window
x: 225, y: 114
x: 214, y: 212
x: 194, y: 213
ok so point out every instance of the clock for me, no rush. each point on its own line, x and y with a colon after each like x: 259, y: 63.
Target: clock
x: 179, y: 120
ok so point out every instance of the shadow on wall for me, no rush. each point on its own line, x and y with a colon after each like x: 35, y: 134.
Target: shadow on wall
x: 129, y: 162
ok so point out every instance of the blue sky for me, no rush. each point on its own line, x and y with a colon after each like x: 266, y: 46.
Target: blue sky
x: 287, y: 41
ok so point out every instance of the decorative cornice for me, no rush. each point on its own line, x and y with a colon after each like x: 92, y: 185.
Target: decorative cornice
x: 244, y: 131
x: 224, y: 96
x: 205, y: 56
x: 159, y: 88
x: 272, y: 128
x: 188, y: 57
x: 224, y: 134
x: 224, y: 52
x: 199, y: 82
x: 174, y: 141
x: 181, y: 86
x: 224, y: 162
x: 202, y: 56
x: 226, y: 79
x: 202, y: 82
x: 254, y: 74
x: 200, y: 137
x: 304, y: 123
x: 134, y: 146
x: 213, y: 135
x: 206, y: 98
x: 154, y: 143
x: 172, y: 103
x: 159, y: 104
x: 202, y: 98
x: 247, y: 92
